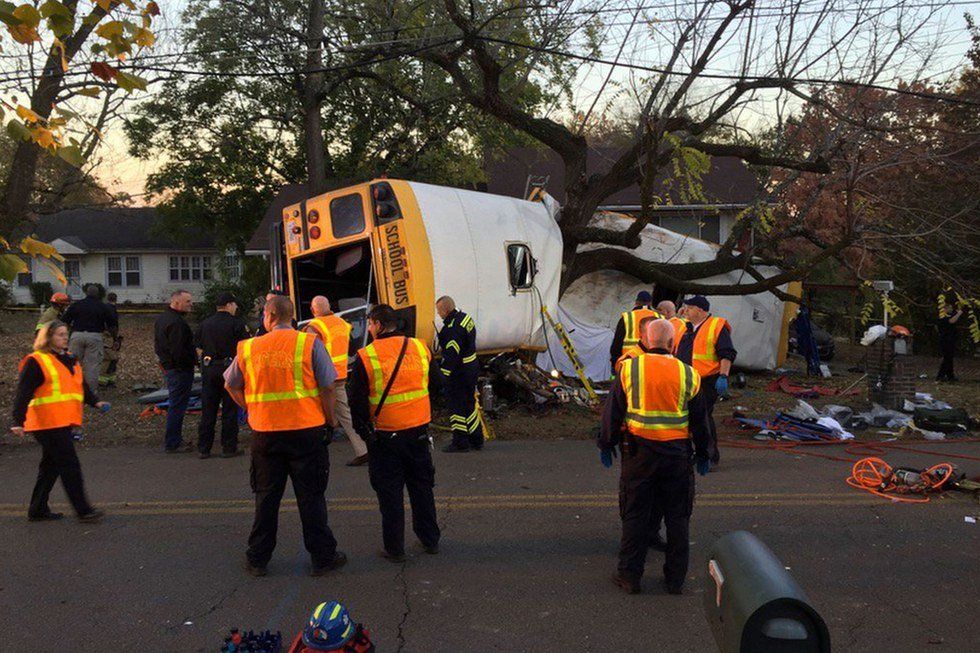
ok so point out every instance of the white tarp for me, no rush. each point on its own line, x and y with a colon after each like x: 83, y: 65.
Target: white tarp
x: 591, y: 307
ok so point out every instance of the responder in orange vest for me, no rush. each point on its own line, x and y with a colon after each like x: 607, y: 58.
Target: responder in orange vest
x: 637, y: 349
x: 334, y: 331
x: 657, y: 398
x: 627, y: 332
x: 390, y: 407
x: 285, y: 379
x: 48, y: 404
x: 707, y: 346
x: 669, y: 312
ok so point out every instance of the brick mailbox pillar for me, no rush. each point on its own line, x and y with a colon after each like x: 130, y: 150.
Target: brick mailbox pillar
x: 891, y: 374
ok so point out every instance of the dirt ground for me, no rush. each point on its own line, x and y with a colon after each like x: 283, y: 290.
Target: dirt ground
x: 138, y: 367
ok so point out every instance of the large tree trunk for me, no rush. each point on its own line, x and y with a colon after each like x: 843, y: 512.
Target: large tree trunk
x: 316, y: 170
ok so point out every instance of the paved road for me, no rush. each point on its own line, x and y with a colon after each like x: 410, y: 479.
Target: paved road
x: 530, y: 534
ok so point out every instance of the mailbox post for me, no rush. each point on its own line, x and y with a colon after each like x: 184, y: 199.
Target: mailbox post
x: 754, y: 606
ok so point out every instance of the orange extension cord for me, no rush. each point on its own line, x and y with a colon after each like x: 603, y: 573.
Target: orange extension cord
x: 874, y: 475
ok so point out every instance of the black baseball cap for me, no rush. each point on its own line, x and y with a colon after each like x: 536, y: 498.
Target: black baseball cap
x: 225, y: 298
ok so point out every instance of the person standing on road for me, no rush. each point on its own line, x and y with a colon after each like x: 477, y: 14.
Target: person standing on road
x: 707, y: 346
x: 217, y: 339
x: 111, y: 343
x: 48, y: 404
x: 950, y: 313
x: 390, y: 407
x: 54, y: 311
x: 334, y: 332
x: 285, y: 379
x: 88, y: 318
x: 459, y: 369
x: 627, y: 332
x: 657, y: 397
x: 174, y: 346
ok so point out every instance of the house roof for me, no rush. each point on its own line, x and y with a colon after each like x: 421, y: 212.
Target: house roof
x: 288, y: 194
x: 729, y: 181
x: 111, y: 229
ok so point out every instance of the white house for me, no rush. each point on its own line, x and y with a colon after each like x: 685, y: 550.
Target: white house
x: 127, y: 251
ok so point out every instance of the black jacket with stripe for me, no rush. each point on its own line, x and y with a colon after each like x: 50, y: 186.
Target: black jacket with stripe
x: 457, y: 340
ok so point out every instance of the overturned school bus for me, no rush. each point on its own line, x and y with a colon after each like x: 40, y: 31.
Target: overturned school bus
x: 406, y: 244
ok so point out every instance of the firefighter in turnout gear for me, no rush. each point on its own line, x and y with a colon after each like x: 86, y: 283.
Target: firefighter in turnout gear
x: 459, y: 371
x: 389, y: 401
x: 628, y: 328
x: 657, y: 399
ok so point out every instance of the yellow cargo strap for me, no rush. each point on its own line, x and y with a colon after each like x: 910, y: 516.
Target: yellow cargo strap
x: 566, y: 344
x: 488, y: 433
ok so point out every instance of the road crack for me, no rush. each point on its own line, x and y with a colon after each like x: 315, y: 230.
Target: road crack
x: 401, y: 579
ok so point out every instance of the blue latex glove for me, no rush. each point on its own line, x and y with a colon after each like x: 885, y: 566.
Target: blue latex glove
x: 703, y: 465
x: 105, y: 407
x: 606, y: 457
x: 721, y: 386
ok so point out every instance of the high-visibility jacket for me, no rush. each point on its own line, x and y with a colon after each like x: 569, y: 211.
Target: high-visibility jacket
x: 57, y: 403
x: 407, y: 403
x: 658, y: 387
x: 680, y: 328
x: 631, y: 320
x: 628, y: 353
x: 704, y: 358
x: 334, y: 331
x: 280, y: 388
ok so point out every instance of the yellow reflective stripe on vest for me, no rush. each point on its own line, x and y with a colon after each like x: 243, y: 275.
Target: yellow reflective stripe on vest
x: 629, y: 338
x: 298, y: 391
x: 714, y: 325
x: 655, y: 419
x: 327, y: 339
x: 375, y: 397
x: 56, y: 395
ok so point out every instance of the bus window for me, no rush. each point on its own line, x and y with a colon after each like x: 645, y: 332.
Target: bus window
x: 521, y: 266
x: 347, y: 215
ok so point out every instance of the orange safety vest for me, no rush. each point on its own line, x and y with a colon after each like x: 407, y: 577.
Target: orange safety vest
x: 335, y: 333
x: 280, y: 389
x: 704, y: 358
x: 658, y: 387
x: 632, y: 319
x: 58, y: 402
x: 680, y: 328
x: 629, y: 352
x: 407, y: 403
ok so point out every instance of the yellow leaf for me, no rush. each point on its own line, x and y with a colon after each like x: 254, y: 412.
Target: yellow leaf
x: 145, y: 38
x: 24, y: 33
x: 44, y: 137
x: 27, y: 115
x: 37, y: 249
x: 55, y: 271
x: 106, y: 5
x: 28, y: 15
x: 110, y: 30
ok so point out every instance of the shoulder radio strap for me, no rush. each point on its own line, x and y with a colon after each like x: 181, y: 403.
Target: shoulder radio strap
x: 391, y: 380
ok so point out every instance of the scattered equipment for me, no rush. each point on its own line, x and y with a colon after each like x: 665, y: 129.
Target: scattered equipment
x: 566, y: 344
x: 876, y: 476
x: 753, y: 604
x: 261, y: 642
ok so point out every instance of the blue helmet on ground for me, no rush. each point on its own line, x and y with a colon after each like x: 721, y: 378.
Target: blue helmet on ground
x: 329, y: 628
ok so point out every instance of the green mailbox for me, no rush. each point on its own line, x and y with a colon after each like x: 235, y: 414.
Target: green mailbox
x: 754, y: 605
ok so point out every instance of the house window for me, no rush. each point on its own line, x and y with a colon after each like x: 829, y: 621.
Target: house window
x: 24, y: 279
x: 123, y: 271
x: 347, y: 215
x: 190, y: 268
x: 232, y: 266
x: 520, y: 266
x: 73, y: 274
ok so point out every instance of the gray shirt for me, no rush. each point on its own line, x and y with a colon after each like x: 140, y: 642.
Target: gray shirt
x: 323, y: 369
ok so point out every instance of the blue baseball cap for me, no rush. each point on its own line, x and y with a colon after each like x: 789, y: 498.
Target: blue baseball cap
x: 644, y: 296
x: 700, y: 301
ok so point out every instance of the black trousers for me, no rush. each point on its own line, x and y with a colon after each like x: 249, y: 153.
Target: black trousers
x: 395, y: 462
x: 651, y: 482
x: 463, y: 416
x: 213, y: 396
x: 58, y: 460
x: 302, y: 457
x: 947, y: 349
x: 710, y: 398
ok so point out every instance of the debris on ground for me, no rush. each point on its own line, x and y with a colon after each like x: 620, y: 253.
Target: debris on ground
x: 783, y: 384
x: 903, y: 484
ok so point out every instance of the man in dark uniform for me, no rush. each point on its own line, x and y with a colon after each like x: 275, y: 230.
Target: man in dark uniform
x: 707, y: 347
x: 389, y: 402
x: 657, y: 398
x: 459, y: 371
x: 88, y: 318
x: 627, y: 330
x: 216, y: 340
x: 173, y: 343
x: 950, y: 313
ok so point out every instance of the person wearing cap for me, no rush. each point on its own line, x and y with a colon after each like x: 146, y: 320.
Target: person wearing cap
x: 628, y: 328
x: 54, y: 311
x: 88, y: 318
x: 670, y: 313
x: 217, y: 339
x: 707, y: 347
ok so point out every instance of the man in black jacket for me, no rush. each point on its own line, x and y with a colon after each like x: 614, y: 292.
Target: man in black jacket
x: 88, y: 318
x: 174, y: 346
